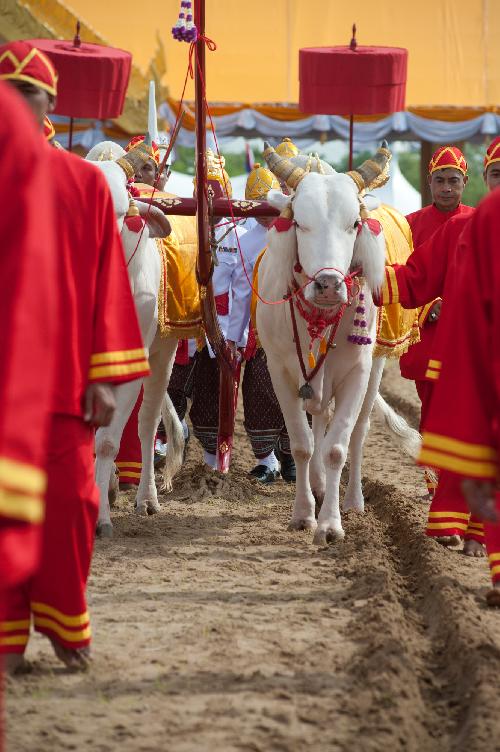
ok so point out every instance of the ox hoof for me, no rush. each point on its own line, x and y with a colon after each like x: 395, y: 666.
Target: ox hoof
x: 104, y: 530
x: 141, y: 510
x: 354, y: 504
x: 153, y: 506
x: 305, y: 524
x: 324, y: 538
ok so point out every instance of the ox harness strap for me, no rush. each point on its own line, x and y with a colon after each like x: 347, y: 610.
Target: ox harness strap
x: 317, y: 321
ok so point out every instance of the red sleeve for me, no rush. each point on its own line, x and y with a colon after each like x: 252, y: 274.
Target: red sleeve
x: 27, y: 311
x: 421, y: 280
x: 117, y: 350
x: 463, y: 424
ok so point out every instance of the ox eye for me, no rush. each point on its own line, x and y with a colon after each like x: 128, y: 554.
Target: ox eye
x: 356, y: 224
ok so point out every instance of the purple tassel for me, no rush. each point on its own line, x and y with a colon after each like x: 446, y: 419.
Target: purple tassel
x: 185, y: 30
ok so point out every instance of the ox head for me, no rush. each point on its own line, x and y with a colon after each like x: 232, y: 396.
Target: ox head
x: 331, y: 237
x: 117, y: 167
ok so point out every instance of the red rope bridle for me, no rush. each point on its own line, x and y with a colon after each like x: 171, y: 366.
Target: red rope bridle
x: 317, y: 320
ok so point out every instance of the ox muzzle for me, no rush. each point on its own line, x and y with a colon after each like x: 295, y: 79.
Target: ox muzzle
x: 328, y: 289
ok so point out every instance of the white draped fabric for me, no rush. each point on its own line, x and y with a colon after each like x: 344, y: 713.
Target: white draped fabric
x: 250, y: 123
x: 396, y: 126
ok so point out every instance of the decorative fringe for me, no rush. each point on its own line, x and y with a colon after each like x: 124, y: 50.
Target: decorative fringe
x: 359, y: 334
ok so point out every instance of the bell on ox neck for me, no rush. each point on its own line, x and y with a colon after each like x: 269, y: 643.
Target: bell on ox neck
x: 306, y: 391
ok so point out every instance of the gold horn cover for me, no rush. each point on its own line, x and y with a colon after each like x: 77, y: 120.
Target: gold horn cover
x: 133, y: 160
x: 282, y: 167
x: 373, y: 173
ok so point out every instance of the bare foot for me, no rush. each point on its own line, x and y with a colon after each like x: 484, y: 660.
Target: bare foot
x: 14, y: 663
x: 493, y: 597
x: 474, y: 548
x: 76, y: 660
x: 448, y: 540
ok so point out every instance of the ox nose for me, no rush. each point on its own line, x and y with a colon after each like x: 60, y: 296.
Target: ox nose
x: 327, y: 283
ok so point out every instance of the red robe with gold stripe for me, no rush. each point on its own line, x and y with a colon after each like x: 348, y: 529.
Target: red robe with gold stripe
x: 427, y: 274
x: 99, y: 341
x: 418, y: 283
x: 463, y: 427
x: 100, y: 336
x: 424, y: 223
x: 28, y: 315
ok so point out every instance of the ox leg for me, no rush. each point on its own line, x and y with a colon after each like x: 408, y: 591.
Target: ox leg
x: 348, y: 401
x: 301, y: 446
x: 354, y: 494
x: 317, y: 476
x: 107, y: 444
x: 161, y: 362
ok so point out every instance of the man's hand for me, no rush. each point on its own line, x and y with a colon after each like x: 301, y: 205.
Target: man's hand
x: 480, y: 497
x: 232, y: 347
x: 99, y: 404
x: 435, y: 311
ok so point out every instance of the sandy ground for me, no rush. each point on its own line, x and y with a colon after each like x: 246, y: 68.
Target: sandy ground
x: 216, y: 629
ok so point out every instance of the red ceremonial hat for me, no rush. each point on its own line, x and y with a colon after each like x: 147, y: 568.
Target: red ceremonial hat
x: 448, y: 156
x: 48, y: 129
x: 153, y: 149
x: 20, y: 61
x: 492, y: 153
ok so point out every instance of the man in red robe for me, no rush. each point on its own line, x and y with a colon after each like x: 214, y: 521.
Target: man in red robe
x: 462, y: 431
x: 99, y: 344
x: 28, y: 312
x: 422, y: 282
x: 447, y: 179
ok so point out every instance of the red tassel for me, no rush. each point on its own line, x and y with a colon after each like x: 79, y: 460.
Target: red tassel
x: 373, y: 225
x: 134, y: 224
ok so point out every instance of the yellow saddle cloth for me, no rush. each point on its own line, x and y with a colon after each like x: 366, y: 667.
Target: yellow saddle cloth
x: 397, y: 327
x: 179, y: 309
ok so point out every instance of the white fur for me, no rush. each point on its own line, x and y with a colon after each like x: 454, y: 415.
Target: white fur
x: 144, y: 272
x: 105, y: 150
x: 369, y: 254
x: 326, y: 208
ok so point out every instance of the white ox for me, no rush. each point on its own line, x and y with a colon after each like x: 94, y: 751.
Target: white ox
x: 144, y: 273
x: 323, y: 244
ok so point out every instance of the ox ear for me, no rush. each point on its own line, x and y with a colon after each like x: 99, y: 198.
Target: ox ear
x: 369, y: 254
x: 117, y: 183
x: 157, y: 222
x: 278, y: 199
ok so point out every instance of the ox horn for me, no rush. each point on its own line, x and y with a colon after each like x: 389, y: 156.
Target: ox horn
x: 283, y: 168
x: 373, y: 173
x: 133, y: 160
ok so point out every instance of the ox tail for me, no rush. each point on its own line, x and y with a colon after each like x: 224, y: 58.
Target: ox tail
x: 408, y: 440
x: 175, y: 443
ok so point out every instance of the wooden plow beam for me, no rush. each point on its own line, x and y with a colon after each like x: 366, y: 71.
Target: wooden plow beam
x: 229, y: 365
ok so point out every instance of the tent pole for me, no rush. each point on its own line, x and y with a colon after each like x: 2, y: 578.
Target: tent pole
x: 70, y: 141
x: 204, y: 255
x: 351, y: 138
